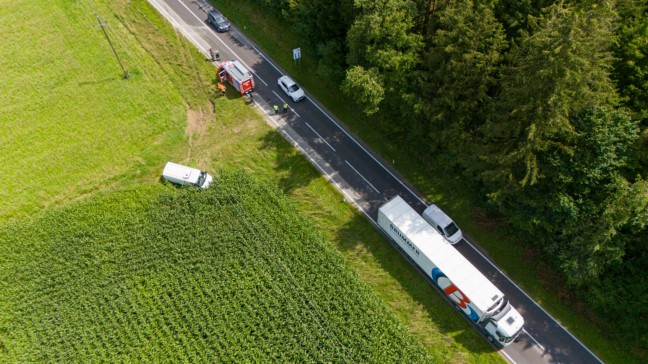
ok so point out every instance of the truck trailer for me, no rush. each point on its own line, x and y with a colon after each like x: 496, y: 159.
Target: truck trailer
x: 452, y: 274
x: 237, y: 75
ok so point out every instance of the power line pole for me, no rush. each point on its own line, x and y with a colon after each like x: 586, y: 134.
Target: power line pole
x: 103, y: 27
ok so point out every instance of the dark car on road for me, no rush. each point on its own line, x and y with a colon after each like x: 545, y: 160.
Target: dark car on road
x: 218, y: 21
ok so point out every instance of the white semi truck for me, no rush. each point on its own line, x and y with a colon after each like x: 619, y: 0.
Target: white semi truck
x: 466, y: 287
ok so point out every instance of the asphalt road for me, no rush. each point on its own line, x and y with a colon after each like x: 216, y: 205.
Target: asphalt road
x: 361, y: 176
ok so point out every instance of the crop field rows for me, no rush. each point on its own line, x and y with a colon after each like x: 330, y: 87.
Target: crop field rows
x: 230, y: 274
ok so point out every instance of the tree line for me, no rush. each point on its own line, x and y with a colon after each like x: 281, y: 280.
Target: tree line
x: 542, y: 105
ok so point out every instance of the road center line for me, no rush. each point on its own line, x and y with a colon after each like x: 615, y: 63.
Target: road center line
x: 320, y: 168
x: 361, y: 176
x: 279, y: 97
x: 345, y: 132
x: 369, y: 154
x: 282, y: 100
x: 220, y: 40
x: 324, y: 140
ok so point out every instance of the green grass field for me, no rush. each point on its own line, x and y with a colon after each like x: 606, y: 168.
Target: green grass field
x: 70, y: 124
x: 73, y: 128
x: 229, y: 274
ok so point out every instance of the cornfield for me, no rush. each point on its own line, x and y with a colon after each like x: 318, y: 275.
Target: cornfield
x: 160, y: 274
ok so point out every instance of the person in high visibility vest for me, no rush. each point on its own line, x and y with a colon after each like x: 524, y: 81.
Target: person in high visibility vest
x: 276, y: 109
x: 221, y: 87
x: 285, y: 107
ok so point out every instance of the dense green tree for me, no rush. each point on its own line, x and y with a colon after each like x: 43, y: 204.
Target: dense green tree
x: 514, y: 14
x: 584, y: 200
x: 560, y: 68
x: 556, y: 147
x: 322, y: 25
x: 459, y: 74
x: 620, y: 293
x: 426, y: 10
x: 582, y: 203
x: 382, y: 45
x: 366, y: 87
x: 322, y: 21
x: 631, y: 66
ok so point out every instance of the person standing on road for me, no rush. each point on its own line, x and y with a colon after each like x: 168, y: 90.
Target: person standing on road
x: 276, y: 109
x: 285, y: 107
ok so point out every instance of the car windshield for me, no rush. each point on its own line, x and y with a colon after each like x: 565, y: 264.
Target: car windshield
x: 293, y: 88
x: 451, y: 229
x: 201, y: 179
x: 220, y: 20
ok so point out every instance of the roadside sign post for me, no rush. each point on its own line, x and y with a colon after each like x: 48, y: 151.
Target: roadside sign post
x: 296, y: 55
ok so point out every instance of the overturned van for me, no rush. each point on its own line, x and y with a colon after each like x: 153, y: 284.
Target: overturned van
x: 186, y: 176
x: 443, y: 223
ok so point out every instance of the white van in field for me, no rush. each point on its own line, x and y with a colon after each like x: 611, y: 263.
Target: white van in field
x: 443, y: 223
x: 186, y: 176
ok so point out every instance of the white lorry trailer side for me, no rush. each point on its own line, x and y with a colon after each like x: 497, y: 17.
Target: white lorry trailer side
x: 465, y: 286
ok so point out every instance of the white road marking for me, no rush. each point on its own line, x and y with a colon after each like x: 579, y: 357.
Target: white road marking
x: 534, y: 340
x: 361, y: 176
x: 220, y: 40
x: 369, y: 154
x: 308, y: 98
x: 347, y: 134
x: 179, y: 26
x: 505, y: 355
x: 324, y: 140
x: 256, y: 75
x: 282, y: 100
x: 279, y: 97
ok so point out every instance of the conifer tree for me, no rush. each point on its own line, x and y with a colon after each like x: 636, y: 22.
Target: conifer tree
x: 560, y: 68
x: 557, y: 146
x: 460, y: 74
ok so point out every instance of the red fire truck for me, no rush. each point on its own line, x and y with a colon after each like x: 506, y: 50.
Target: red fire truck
x: 237, y: 75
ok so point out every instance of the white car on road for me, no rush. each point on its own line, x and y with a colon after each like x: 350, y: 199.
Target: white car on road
x: 291, y: 88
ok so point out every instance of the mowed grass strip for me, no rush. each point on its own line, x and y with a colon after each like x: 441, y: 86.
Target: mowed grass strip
x: 71, y: 124
x: 229, y: 274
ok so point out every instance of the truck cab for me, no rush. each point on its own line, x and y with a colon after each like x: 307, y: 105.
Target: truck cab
x: 505, y: 326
